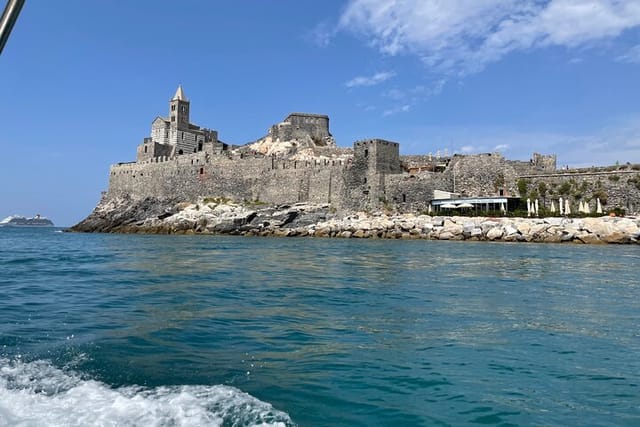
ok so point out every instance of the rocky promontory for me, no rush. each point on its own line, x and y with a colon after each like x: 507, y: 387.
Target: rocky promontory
x: 219, y: 216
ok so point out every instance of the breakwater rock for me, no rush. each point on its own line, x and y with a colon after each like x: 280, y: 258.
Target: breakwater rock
x: 218, y: 216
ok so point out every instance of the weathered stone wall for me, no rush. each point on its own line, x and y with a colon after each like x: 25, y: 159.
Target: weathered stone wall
x: 620, y: 188
x: 482, y: 175
x: 259, y: 178
x: 299, y: 125
x: 371, y: 179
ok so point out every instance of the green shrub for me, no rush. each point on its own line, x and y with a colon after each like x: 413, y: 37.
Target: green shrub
x: 565, y: 188
x: 523, y: 185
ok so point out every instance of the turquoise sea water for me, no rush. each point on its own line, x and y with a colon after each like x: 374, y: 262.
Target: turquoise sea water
x: 233, y: 331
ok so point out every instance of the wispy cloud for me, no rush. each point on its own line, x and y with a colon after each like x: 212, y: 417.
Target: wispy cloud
x: 321, y: 34
x: 463, y: 36
x: 632, y: 56
x: 395, y: 110
x: 406, y: 99
x: 372, y: 80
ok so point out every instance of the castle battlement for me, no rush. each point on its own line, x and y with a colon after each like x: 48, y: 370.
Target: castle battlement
x: 298, y: 161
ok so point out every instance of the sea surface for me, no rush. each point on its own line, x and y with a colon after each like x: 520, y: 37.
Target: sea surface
x: 135, y: 330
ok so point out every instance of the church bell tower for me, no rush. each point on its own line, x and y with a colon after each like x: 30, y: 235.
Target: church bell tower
x: 179, y: 110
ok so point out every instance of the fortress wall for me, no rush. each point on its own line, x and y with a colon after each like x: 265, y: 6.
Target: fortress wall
x: 412, y: 193
x: 483, y: 175
x: 265, y: 179
x: 615, y: 189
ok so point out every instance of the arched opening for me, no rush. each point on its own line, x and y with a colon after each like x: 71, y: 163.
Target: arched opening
x: 200, y: 146
x: 180, y: 152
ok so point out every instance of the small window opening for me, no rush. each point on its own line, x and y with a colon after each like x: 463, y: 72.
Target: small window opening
x: 180, y: 151
x: 201, y: 171
x: 366, y: 153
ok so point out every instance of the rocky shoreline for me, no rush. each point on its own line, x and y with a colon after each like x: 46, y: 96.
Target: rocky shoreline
x: 217, y: 216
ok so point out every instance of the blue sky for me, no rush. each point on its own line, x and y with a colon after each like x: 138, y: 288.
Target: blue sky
x: 82, y: 81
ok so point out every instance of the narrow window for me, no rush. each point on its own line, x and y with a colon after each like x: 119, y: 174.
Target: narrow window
x: 179, y: 151
x: 200, y: 146
x: 182, y: 135
x: 145, y: 148
x: 404, y: 198
x: 201, y: 171
x: 366, y: 153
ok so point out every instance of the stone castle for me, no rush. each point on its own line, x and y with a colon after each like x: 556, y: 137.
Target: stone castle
x: 298, y: 161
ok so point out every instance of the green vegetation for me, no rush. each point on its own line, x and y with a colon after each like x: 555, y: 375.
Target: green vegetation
x: 216, y: 200
x: 542, y: 189
x: 256, y: 202
x: 602, y: 195
x: 614, y: 178
x: 565, y: 188
x: 523, y: 185
x: 635, y: 181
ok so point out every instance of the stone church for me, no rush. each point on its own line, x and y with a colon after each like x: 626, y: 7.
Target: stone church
x: 175, y: 135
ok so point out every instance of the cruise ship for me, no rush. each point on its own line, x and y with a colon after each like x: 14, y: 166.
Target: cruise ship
x: 22, y: 221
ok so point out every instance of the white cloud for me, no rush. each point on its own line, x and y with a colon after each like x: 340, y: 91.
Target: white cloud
x: 469, y: 149
x: 632, y: 56
x: 321, y: 35
x: 370, y: 80
x: 395, y: 110
x: 463, y: 36
x: 501, y: 147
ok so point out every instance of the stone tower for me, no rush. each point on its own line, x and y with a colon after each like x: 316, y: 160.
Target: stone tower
x: 179, y: 110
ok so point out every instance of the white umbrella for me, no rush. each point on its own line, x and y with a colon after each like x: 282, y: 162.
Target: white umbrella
x: 580, y: 207
x: 529, y: 207
x: 560, y: 206
x: 502, y: 207
x: 587, y: 208
x: 567, y: 208
x: 448, y: 206
x: 553, y: 207
x: 598, y: 206
x: 465, y: 205
x: 537, y: 206
x: 429, y: 209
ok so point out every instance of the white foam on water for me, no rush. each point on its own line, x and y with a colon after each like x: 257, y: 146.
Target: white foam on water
x: 39, y: 394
